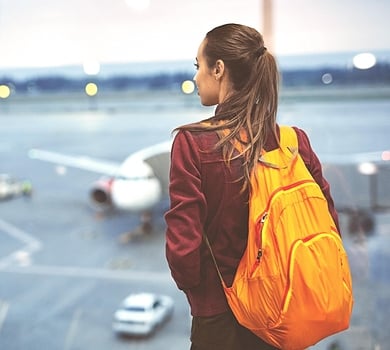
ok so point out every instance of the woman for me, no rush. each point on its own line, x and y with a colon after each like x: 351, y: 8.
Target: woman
x: 209, y: 180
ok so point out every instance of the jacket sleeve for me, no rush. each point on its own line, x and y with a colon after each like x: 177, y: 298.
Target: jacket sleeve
x: 314, y: 165
x: 187, y: 212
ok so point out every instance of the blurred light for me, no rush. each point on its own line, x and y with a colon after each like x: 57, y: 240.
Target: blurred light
x: 327, y: 78
x: 91, y: 89
x: 364, y: 60
x: 5, y: 91
x: 367, y: 168
x: 23, y: 258
x: 138, y: 5
x: 91, y: 67
x: 386, y: 155
x: 60, y: 170
x: 188, y: 87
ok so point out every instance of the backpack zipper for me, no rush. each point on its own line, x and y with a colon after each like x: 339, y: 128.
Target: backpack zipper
x: 260, y: 239
x: 260, y: 225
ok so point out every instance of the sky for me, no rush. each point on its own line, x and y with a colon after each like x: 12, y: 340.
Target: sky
x: 49, y: 33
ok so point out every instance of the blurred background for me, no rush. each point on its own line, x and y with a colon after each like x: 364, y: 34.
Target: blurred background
x: 84, y: 84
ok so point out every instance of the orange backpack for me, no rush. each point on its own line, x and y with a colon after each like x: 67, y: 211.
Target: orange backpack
x: 293, y: 285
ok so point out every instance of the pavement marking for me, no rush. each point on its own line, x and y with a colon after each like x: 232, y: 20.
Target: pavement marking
x: 20, y: 235
x: 4, y: 306
x: 72, y: 330
x: 21, y: 256
x: 24, y: 266
x: 82, y: 272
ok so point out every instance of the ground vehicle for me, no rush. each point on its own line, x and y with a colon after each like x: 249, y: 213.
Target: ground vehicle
x: 11, y: 187
x: 142, y: 313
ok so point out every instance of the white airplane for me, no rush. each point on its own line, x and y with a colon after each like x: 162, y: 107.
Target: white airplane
x: 11, y: 187
x: 139, y: 182
x: 136, y: 185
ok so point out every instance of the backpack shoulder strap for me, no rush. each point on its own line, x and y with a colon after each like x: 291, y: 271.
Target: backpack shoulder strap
x: 288, y: 139
x: 284, y: 156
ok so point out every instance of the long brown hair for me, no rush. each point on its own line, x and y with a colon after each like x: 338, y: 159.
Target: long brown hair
x: 252, y: 107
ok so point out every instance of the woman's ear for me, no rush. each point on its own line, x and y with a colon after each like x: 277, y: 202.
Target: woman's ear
x: 219, y: 69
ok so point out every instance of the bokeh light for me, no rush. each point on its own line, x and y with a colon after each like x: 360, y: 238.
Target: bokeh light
x: 364, y: 60
x: 188, y: 87
x: 386, y: 155
x: 91, y: 89
x: 5, y: 91
x: 327, y: 78
x: 91, y: 67
x: 368, y: 168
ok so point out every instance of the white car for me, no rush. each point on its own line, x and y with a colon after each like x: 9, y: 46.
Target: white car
x: 140, y: 314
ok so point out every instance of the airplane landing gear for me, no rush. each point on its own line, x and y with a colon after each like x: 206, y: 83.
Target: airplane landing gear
x: 145, y: 228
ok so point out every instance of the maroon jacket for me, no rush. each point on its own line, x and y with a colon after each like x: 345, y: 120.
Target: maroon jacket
x: 205, y: 197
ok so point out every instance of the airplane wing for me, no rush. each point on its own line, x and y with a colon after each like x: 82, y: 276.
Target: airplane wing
x: 157, y: 156
x: 152, y: 151
x: 80, y: 162
x: 356, y: 158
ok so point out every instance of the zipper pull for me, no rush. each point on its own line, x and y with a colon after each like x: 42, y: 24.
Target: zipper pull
x: 260, y: 251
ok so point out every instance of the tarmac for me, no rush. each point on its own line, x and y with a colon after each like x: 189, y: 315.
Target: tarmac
x: 65, y: 267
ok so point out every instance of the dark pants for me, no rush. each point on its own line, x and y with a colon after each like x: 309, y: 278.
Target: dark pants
x: 222, y: 332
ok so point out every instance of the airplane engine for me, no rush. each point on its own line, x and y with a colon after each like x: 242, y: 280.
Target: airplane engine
x: 100, y: 193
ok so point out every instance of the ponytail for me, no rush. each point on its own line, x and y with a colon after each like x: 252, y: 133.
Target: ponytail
x: 249, y: 113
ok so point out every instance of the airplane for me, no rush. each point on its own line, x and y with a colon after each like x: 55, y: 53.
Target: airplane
x: 140, y: 181
x: 136, y: 185
x: 11, y: 187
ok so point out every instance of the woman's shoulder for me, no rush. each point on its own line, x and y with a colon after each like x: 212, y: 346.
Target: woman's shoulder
x: 303, y: 138
x: 304, y: 146
x: 198, y: 137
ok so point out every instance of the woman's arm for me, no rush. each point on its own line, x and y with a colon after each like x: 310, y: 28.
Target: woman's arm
x: 187, y: 212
